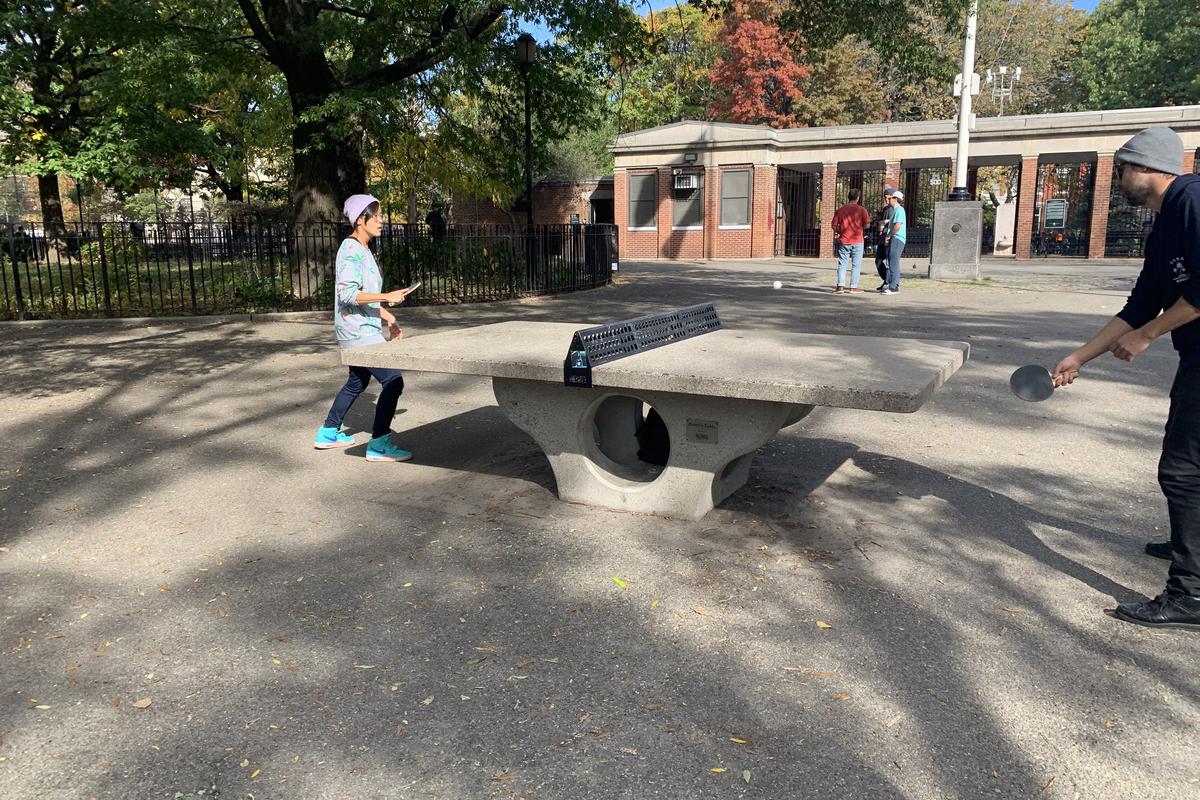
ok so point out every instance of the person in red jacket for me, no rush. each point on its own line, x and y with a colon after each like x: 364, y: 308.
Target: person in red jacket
x: 849, y: 221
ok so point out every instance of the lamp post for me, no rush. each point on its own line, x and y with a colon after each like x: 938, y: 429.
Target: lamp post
x: 969, y: 82
x: 1002, y: 85
x: 526, y: 53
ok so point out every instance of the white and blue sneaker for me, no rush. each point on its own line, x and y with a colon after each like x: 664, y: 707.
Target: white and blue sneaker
x: 329, y: 438
x: 382, y: 449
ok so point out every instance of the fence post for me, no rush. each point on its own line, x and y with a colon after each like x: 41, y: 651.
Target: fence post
x: 108, y: 312
x: 187, y: 234
x: 16, y: 270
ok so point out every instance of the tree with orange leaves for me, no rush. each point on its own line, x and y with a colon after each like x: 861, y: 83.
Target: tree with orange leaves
x: 760, y: 71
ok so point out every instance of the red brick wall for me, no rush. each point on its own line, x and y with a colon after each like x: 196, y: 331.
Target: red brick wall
x: 673, y: 243
x: 731, y: 243
x: 891, y: 174
x: 553, y: 204
x: 757, y: 241
x: 1025, y: 203
x: 634, y: 244
x: 1189, y: 162
x: 762, y: 213
x: 1101, y: 194
x: 828, y: 206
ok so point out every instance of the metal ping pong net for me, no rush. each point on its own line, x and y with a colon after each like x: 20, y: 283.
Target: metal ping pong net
x: 592, y: 347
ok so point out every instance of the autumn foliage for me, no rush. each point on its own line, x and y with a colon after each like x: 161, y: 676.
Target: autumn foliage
x: 760, y: 70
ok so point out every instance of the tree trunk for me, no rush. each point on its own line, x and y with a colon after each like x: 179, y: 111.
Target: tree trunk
x: 52, y: 212
x: 328, y: 169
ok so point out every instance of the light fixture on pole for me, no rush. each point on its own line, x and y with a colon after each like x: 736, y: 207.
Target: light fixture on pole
x: 1002, y: 84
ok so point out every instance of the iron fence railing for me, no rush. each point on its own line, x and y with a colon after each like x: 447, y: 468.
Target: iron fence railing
x: 130, y: 269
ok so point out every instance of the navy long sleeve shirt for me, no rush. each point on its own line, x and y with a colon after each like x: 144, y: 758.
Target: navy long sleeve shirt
x: 1172, y: 266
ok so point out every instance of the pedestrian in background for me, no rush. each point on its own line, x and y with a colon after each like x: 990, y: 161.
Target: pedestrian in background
x: 849, y: 222
x: 883, y: 223
x: 896, y: 235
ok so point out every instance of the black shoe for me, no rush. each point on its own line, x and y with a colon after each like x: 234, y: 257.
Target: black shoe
x: 1159, y: 550
x: 1165, y: 611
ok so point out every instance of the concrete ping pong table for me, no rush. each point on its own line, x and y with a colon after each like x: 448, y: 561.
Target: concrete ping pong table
x: 722, y: 395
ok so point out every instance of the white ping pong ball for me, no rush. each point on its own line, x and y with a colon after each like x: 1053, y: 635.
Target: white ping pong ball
x: 778, y: 284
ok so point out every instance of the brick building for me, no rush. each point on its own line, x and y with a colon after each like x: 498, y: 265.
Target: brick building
x: 697, y: 190
x: 554, y: 203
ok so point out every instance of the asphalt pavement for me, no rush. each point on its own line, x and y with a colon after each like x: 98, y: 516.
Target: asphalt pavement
x: 196, y: 603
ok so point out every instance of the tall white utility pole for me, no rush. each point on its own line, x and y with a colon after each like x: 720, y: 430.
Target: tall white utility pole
x: 959, y: 192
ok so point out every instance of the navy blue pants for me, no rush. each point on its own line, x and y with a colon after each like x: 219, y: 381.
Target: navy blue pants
x: 1179, y: 477
x: 385, y: 408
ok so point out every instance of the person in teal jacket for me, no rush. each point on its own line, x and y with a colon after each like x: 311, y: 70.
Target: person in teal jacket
x: 894, y: 238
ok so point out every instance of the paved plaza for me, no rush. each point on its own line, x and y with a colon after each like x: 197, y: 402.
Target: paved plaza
x: 196, y: 603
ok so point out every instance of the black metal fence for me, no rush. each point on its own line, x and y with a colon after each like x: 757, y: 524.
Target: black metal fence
x: 131, y: 269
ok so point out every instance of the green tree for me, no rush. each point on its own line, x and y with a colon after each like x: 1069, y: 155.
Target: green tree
x: 1040, y: 36
x: 670, y: 80
x: 341, y: 61
x: 1138, y: 53
x: 53, y: 55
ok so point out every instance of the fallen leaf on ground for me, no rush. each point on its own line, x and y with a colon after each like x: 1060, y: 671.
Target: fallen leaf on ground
x: 652, y: 706
x: 400, y: 729
x: 255, y: 774
x: 1049, y: 783
x: 746, y: 775
x: 619, y: 582
x: 143, y: 703
x: 702, y: 611
x: 427, y: 701
x: 736, y: 740
x: 717, y: 770
x: 823, y: 625
x: 508, y: 776
x: 842, y: 696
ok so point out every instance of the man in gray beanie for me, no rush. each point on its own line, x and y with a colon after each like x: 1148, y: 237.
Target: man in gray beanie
x: 1165, y: 299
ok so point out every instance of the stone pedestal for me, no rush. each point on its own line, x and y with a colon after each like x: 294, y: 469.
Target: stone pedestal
x: 590, y: 440
x: 957, y: 237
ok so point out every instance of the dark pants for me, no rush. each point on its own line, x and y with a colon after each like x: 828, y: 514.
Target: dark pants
x: 895, y: 250
x: 881, y: 260
x: 385, y: 408
x: 1179, y: 477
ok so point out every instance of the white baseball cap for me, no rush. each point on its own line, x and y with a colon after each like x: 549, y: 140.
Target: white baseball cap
x: 899, y: 195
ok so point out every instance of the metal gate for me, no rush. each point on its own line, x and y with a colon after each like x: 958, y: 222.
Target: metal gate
x: 1062, y: 215
x: 798, y: 213
x: 997, y: 188
x: 870, y: 184
x: 922, y: 187
x: 1128, y: 225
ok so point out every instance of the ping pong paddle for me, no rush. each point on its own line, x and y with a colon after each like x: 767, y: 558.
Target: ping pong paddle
x: 407, y: 292
x: 1032, y: 383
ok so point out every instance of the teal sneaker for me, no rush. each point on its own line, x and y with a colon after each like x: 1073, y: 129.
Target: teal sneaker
x: 382, y: 449
x: 329, y: 438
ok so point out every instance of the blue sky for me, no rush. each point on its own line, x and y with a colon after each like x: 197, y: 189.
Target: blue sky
x: 642, y: 6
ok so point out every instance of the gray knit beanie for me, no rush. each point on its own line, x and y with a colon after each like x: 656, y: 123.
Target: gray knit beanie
x: 1159, y: 149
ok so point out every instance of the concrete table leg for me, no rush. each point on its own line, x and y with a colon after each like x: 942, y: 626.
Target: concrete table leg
x: 588, y: 437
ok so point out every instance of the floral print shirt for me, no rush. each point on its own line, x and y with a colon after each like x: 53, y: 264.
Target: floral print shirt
x: 356, y: 325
